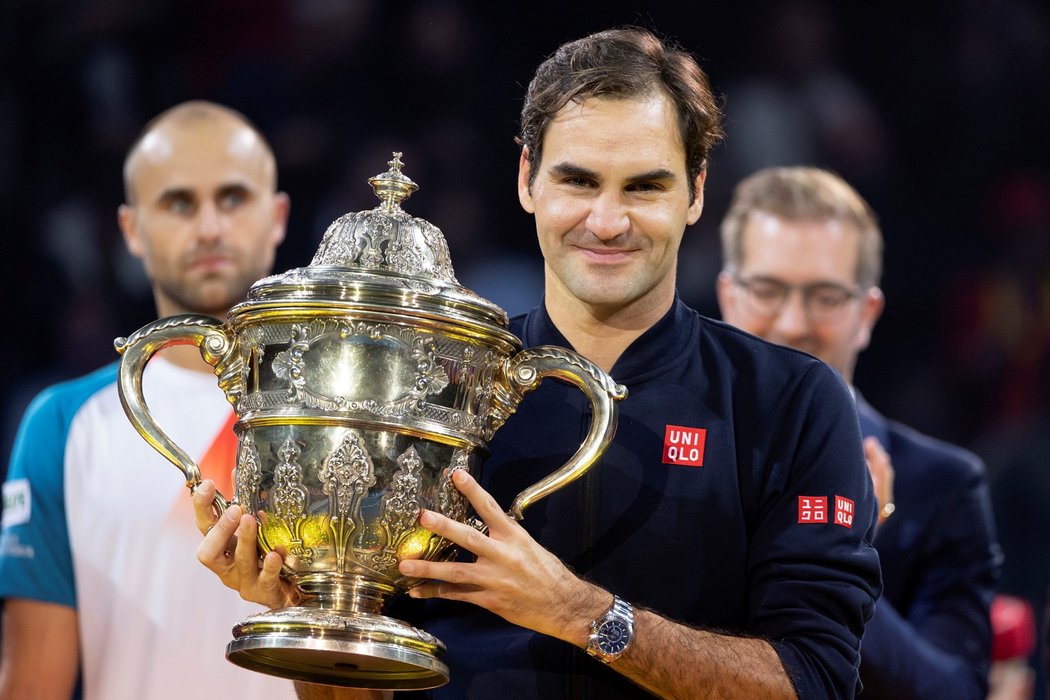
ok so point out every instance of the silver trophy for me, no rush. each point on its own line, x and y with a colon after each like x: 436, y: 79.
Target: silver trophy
x: 361, y: 383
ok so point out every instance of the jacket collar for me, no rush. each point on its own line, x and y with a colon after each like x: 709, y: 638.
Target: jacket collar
x: 661, y: 345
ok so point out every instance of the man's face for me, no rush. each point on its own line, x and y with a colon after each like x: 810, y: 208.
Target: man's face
x: 811, y: 258
x: 204, y: 220
x: 611, y: 200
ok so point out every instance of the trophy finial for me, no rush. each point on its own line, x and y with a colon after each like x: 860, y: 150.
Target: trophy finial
x: 393, y: 187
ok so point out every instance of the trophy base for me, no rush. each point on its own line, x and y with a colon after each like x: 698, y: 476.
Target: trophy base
x: 358, y: 650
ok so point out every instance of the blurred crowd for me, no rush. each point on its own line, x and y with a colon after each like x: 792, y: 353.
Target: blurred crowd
x: 936, y: 112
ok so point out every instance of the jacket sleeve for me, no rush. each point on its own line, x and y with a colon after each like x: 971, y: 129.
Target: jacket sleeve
x: 815, y: 571
x: 941, y: 646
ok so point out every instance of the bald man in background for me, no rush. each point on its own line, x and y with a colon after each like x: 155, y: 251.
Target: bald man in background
x: 97, y: 527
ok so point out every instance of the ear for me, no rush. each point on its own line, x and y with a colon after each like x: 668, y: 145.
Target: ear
x: 872, y: 304
x: 524, y: 191
x: 126, y: 219
x: 698, y: 202
x: 282, y: 205
x: 726, y: 299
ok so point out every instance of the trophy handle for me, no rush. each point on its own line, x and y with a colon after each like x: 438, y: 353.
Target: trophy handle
x: 523, y: 372
x: 216, y: 346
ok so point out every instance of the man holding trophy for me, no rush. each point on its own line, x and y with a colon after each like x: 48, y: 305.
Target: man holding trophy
x: 91, y: 555
x: 722, y: 546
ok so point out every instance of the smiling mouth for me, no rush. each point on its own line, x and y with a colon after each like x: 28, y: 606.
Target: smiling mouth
x: 606, y: 255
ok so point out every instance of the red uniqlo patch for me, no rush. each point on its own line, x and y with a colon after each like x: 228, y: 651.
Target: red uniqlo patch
x: 684, y: 446
x: 812, y: 509
x: 844, y: 508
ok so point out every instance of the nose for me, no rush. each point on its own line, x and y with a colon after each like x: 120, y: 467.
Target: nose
x: 608, y: 217
x: 792, y: 321
x: 209, y: 222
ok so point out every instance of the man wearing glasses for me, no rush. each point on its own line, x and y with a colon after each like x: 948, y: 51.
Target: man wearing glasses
x: 802, y: 260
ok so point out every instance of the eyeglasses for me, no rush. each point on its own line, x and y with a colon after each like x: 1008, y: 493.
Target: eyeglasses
x: 824, y: 302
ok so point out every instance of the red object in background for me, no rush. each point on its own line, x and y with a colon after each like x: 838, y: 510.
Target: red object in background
x: 218, y: 462
x: 1013, y: 628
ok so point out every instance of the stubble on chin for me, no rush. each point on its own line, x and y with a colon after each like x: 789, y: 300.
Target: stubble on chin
x: 211, y: 297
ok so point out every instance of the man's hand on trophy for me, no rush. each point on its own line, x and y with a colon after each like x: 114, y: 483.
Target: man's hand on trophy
x: 229, y: 549
x: 513, y: 576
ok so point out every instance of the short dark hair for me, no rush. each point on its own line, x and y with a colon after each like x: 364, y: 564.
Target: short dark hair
x: 623, y: 63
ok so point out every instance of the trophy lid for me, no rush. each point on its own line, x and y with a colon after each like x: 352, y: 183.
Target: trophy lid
x: 383, y: 257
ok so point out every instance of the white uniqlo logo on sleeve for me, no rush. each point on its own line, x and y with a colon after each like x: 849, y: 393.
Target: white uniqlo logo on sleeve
x: 844, y: 508
x: 17, y: 503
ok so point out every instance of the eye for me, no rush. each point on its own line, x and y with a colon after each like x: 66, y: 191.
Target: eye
x: 576, y: 181
x: 645, y: 187
x: 829, y: 297
x: 232, y: 197
x: 180, y: 204
x: 766, y: 291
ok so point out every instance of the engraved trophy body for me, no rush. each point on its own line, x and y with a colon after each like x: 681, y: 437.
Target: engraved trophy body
x: 360, y: 383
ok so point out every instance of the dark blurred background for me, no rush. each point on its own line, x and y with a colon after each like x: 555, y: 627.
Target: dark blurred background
x: 938, y: 112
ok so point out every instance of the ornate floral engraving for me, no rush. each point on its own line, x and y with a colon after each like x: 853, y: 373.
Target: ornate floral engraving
x: 451, y: 502
x: 346, y: 476
x: 376, y: 231
x: 400, y: 506
x: 249, y: 473
x: 387, y: 238
x: 289, y: 493
x: 289, y: 498
x: 431, y: 377
x: 438, y: 247
x: 403, y: 253
x: 290, y: 366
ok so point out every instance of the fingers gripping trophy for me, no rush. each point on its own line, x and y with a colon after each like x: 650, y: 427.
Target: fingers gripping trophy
x: 361, y: 383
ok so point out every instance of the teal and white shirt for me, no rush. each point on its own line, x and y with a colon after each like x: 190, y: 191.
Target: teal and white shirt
x: 96, y: 520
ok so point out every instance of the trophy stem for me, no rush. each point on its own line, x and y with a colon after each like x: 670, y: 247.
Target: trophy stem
x: 338, y: 635
x: 344, y: 594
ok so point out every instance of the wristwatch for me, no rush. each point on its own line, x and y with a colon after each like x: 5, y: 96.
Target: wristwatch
x: 612, y: 633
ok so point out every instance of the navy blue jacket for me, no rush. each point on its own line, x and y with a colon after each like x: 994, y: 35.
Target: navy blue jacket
x: 931, y: 634
x: 749, y: 542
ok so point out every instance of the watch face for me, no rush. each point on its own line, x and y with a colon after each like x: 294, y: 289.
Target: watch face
x: 613, y: 636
